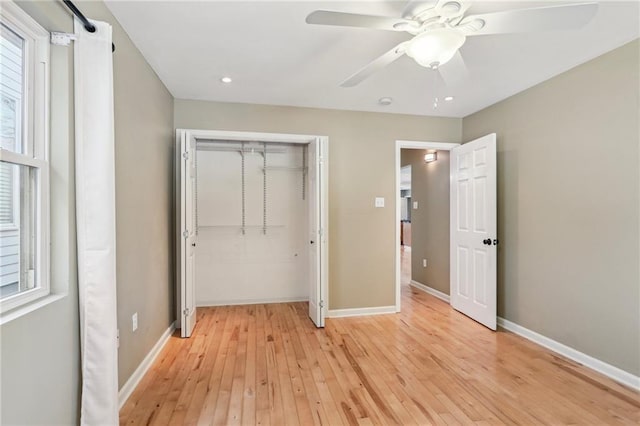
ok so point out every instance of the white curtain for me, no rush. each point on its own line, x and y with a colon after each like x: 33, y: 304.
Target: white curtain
x: 95, y: 209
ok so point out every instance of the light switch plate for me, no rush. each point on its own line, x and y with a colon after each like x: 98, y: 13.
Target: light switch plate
x: 134, y: 322
x: 379, y: 201
x: 415, y: 205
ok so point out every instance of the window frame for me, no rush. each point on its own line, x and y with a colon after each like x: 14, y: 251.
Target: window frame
x: 15, y: 223
x: 35, y: 139
x: 15, y: 220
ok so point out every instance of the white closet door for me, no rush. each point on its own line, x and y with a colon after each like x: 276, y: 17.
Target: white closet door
x: 188, y: 234
x: 474, y: 229
x: 316, y: 240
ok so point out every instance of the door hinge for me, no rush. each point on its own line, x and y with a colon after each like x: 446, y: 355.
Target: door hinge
x: 321, y: 232
x: 185, y: 155
x: 321, y: 304
x: 186, y: 312
x: 185, y: 233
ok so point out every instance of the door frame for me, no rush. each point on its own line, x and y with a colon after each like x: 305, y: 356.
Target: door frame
x: 400, y: 145
x: 226, y: 135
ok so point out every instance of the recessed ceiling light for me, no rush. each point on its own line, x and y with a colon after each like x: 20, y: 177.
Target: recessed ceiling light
x: 448, y: 98
x: 226, y: 79
x: 385, y: 101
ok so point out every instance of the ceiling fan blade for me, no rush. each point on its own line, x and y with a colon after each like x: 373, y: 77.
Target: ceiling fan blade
x: 562, y: 17
x: 325, y: 17
x: 374, y: 66
x: 417, y: 7
x: 455, y: 71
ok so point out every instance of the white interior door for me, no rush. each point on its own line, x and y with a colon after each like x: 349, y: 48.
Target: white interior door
x: 188, y: 233
x: 317, y: 240
x: 474, y: 230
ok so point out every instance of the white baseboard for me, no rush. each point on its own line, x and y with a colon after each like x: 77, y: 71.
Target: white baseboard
x: 602, y: 367
x: 128, y: 388
x: 230, y: 302
x: 430, y: 290
x: 356, y: 312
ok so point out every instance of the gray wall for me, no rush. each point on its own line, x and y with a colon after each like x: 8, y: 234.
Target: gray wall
x: 41, y: 369
x: 361, y: 167
x: 430, y: 222
x: 568, y: 189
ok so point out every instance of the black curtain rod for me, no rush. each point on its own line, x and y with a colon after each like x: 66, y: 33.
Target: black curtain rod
x: 87, y: 24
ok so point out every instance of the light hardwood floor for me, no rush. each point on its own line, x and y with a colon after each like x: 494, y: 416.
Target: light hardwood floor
x: 268, y: 365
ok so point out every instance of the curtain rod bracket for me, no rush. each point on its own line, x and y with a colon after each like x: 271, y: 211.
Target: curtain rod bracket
x: 62, y: 39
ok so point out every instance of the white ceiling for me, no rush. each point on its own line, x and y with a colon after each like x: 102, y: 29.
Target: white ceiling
x: 275, y: 58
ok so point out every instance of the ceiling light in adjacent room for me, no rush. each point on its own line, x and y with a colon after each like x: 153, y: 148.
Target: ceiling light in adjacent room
x: 385, y: 101
x: 448, y: 98
x: 430, y: 157
x: 226, y: 80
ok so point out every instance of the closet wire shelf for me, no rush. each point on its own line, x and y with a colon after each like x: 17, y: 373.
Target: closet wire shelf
x: 263, y: 150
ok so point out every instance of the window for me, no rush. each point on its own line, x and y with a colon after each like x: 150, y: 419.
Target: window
x: 24, y: 168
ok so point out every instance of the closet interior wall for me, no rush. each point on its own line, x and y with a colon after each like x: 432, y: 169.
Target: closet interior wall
x: 252, y: 223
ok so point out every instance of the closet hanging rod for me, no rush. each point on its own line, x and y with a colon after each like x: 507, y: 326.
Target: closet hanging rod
x: 239, y: 149
x: 240, y: 226
x: 286, y: 168
x: 87, y: 24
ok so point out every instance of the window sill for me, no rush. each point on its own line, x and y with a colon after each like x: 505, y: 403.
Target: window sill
x: 29, y: 307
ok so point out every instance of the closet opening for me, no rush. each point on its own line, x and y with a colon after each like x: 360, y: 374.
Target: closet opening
x: 252, y: 216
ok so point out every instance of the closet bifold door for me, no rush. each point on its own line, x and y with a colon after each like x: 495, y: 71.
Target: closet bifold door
x: 315, y: 235
x: 187, y: 231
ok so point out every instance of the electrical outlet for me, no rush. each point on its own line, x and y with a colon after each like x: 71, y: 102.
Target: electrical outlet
x: 424, y: 263
x: 415, y: 205
x: 134, y: 322
x: 379, y: 202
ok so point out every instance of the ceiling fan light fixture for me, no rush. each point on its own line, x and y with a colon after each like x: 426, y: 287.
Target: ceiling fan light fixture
x: 436, y: 46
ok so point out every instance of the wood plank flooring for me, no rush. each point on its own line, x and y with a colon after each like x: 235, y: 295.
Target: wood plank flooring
x: 268, y: 365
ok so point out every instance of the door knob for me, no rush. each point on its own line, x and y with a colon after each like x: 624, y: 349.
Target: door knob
x: 311, y: 242
x: 487, y: 241
x: 495, y: 242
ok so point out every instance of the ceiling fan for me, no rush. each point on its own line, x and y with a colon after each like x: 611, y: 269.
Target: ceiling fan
x: 440, y: 27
